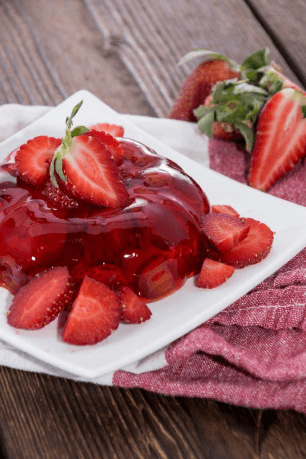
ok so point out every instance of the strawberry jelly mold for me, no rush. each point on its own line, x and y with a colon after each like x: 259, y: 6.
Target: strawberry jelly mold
x: 155, y: 240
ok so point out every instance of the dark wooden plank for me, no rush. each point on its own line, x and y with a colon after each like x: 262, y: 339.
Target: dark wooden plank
x: 126, y: 54
x: 285, y: 24
x: 49, y: 50
x: 152, y: 37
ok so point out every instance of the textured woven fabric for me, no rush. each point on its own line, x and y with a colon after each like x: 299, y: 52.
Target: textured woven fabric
x: 254, y: 352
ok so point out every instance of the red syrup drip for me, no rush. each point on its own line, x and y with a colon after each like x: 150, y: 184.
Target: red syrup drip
x: 154, y: 243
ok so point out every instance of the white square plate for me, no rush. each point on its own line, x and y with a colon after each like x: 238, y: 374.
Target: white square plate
x: 185, y: 309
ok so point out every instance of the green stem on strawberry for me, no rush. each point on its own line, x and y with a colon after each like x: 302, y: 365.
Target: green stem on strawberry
x: 56, y: 164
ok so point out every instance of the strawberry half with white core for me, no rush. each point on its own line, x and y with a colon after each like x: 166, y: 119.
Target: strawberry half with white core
x: 34, y: 157
x: 280, y: 140
x: 87, y: 169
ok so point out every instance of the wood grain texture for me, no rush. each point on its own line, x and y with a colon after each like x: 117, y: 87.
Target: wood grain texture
x: 126, y: 54
x: 49, y: 50
x: 285, y: 23
x: 152, y: 37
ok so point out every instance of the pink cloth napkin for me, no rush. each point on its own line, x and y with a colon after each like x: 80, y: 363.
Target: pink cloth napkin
x: 253, y: 353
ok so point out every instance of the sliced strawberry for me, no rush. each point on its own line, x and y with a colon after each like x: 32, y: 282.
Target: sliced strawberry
x: 110, y: 142
x: 94, y: 315
x: 197, y: 87
x: 280, y: 140
x: 34, y: 157
x: 253, y: 249
x: 92, y: 175
x: 213, y: 274
x: 58, y: 198
x: 224, y: 232
x: 112, y: 129
x: 224, y: 209
x: 40, y: 301
x: 134, y: 310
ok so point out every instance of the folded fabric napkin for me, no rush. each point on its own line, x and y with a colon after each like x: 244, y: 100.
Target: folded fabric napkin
x: 251, y: 354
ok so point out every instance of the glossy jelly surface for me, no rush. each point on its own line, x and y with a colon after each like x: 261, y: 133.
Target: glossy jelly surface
x: 153, y: 244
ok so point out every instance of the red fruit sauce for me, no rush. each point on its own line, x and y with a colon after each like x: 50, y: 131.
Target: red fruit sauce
x: 154, y: 242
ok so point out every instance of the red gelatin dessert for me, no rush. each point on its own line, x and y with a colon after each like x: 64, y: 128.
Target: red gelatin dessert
x: 94, y: 226
x: 151, y: 244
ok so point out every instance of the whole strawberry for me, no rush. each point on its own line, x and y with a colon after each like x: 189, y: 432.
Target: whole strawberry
x: 199, y: 83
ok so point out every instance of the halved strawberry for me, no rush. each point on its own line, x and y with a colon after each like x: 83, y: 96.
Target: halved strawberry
x: 224, y: 209
x: 224, y: 232
x: 134, y: 310
x: 280, y: 140
x: 92, y: 175
x: 40, y: 301
x: 198, y: 85
x: 213, y: 274
x: 94, y: 315
x: 34, y: 157
x: 110, y: 142
x: 112, y: 129
x: 253, y: 249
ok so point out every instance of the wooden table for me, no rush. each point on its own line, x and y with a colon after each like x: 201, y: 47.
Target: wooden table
x: 125, y: 52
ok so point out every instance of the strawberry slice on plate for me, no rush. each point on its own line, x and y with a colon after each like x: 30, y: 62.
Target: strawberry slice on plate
x: 134, y: 310
x: 112, y: 129
x: 94, y: 315
x: 251, y: 250
x: 280, y: 140
x: 224, y: 232
x: 34, y: 157
x: 92, y: 174
x: 40, y: 301
x: 214, y: 273
x: 224, y: 209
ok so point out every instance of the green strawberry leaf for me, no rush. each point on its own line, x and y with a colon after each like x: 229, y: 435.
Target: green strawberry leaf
x: 247, y: 133
x: 271, y: 82
x: 304, y: 110
x: 257, y: 60
x: 79, y: 130
x: 75, y: 110
x: 206, y: 121
x: 56, y: 164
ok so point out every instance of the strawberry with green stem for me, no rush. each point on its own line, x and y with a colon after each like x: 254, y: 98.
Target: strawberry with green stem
x: 86, y: 168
